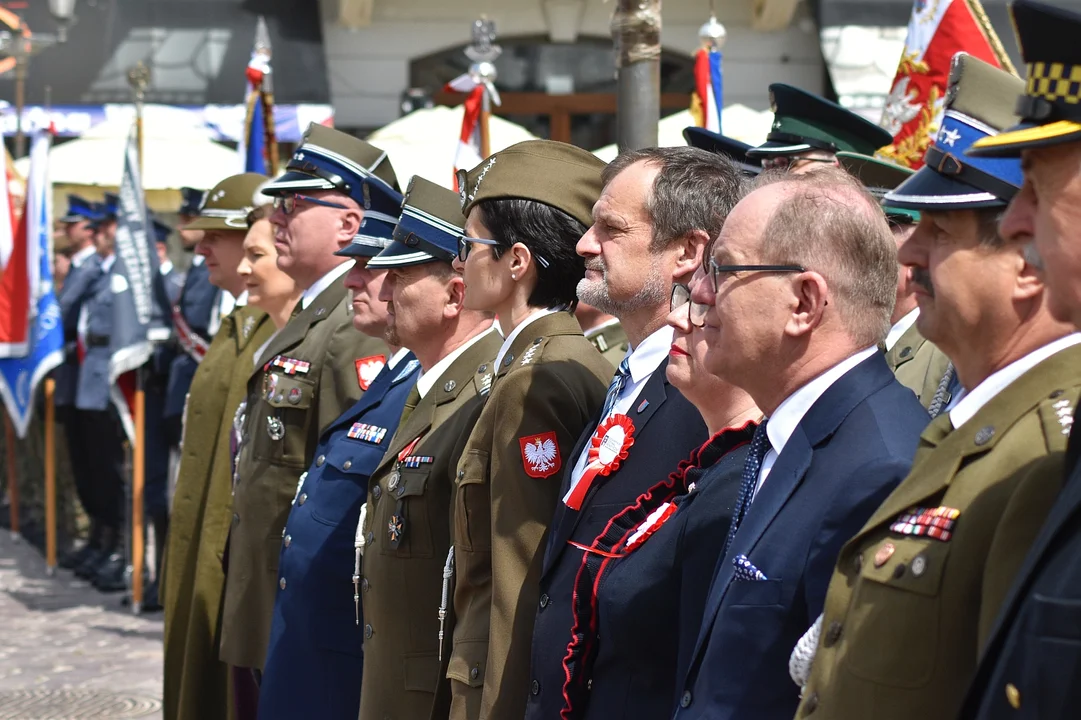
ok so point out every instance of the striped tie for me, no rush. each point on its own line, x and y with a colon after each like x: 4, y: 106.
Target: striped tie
x: 759, y: 447
x: 616, y: 387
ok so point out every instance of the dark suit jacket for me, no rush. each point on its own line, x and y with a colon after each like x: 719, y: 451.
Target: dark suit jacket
x: 667, y: 429
x: 851, y: 449
x: 1032, y: 665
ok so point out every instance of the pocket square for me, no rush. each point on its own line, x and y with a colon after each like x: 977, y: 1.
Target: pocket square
x: 745, y: 569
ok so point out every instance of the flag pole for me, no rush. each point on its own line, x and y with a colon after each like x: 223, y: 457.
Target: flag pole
x: 139, y: 79
x: 13, y: 481
x: 484, y: 52
x: 50, y: 477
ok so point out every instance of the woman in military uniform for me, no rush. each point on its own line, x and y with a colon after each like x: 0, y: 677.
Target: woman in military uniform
x: 635, y: 613
x: 525, y: 211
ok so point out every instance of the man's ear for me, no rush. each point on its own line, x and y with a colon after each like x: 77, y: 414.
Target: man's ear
x: 455, y: 293
x: 350, y: 223
x: 689, y: 249
x: 810, y: 296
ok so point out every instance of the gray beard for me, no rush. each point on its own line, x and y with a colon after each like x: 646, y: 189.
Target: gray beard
x: 654, y: 292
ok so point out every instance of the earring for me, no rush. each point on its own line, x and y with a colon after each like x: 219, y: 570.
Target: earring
x: 513, y: 277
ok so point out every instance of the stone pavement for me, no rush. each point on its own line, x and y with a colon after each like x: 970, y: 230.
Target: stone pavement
x: 68, y: 652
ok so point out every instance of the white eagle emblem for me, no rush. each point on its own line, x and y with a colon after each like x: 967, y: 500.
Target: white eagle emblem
x: 902, y: 105
x: 542, y: 455
x: 368, y: 368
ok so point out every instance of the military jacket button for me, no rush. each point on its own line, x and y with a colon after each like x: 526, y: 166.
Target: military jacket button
x: 320, y: 460
x: 347, y: 464
x: 288, y: 540
x: 984, y: 435
x: 364, y: 584
x: 685, y: 701
x: 449, y: 386
x: 302, y: 499
x: 544, y: 600
x: 535, y: 688
x: 236, y: 518
x: 1013, y: 696
x: 369, y: 538
x: 833, y: 634
x: 811, y: 704
x: 368, y: 631
x: 906, y: 352
x: 377, y: 492
x: 281, y: 583
x: 474, y: 673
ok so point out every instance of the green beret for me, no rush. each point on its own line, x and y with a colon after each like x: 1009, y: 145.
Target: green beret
x: 553, y: 173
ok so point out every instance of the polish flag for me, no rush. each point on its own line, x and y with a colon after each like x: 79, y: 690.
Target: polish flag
x: 468, y: 153
x: 708, y: 90
x: 16, y: 277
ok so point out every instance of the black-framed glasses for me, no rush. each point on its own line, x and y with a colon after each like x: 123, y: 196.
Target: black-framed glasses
x: 790, y: 162
x: 465, y: 245
x: 681, y: 295
x: 715, y: 271
x: 288, y: 203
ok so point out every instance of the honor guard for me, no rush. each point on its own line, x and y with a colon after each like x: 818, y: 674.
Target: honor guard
x: 316, y: 636
x: 918, y: 364
x: 406, y: 530
x: 1030, y: 666
x: 937, y: 558
x: 808, y: 131
x: 195, y: 682
x: 547, y: 383
x: 335, y: 187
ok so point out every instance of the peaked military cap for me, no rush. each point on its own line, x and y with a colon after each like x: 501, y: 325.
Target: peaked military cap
x: 979, y: 103
x: 228, y: 203
x: 804, y: 121
x: 879, y: 177
x: 428, y: 231
x: 562, y: 176
x: 79, y: 209
x: 161, y: 230
x: 722, y: 145
x: 329, y: 159
x: 1050, y: 106
x: 190, y: 201
x: 111, y: 205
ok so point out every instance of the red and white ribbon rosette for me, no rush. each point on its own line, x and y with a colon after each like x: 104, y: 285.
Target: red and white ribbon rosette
x: 608, y: 448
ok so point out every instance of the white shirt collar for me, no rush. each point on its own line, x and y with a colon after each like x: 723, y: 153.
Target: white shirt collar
x: 650, y: 353
x: 241, y: 299
x: 166, y: 267
x: 107, y: 263
x: 198, y: 259
x: 537, y: 315
x: 322, y: 284
x: 80, y: 257
x: 995, y: 383
x: 601, y: 328
x: 426, y: 380
x: 788, y: 415
x: 397, y: 357
x: 900, y: 328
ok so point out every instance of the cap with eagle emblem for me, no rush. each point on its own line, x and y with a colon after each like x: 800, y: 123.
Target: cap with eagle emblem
x: 227, y: 204
x: 428, y: 230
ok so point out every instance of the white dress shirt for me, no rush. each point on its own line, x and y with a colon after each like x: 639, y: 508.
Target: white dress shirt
x: 80, y: 257
x: 789, y: 414
x: 642, y: 362
x: 536, y: 315
x: 429, y: 378
x: 322, y: 284
x: 995, y: 383
x: 397, y: 357
x: 900, y: 328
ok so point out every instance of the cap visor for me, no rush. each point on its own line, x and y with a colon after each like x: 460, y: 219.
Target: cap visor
x: 363, y: 246
x: 73, y: 218
x: 776, y: 148
x: 399, y: 255
x: 294, y: 180
x: 927, y: 190
x: 1026, y: 136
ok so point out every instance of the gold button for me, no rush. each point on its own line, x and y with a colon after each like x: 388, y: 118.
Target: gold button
x: 1013, y: 696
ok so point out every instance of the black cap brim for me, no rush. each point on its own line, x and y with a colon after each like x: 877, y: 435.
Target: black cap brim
x: 929, y: 190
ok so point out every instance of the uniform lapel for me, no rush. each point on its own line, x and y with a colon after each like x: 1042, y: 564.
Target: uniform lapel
x: 386, y: 379
x: 297, y: 328
x: 912, y: 341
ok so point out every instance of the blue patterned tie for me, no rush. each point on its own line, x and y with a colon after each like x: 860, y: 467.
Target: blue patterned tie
x: 759, y: 447
x: 616, y: 387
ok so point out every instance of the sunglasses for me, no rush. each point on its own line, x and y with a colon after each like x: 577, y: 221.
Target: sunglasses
x: 465, y: 246
x: 715, y: 271
x: 288, y: 203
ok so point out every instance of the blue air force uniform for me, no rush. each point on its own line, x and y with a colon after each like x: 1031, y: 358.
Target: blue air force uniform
x: 316, y: 638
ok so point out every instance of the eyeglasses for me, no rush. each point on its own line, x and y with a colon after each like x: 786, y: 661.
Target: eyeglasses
x: 790, y: 162
x: 681, y: 295
x: 288, y: 203
x: 716, y: 270
x: 465, y: 246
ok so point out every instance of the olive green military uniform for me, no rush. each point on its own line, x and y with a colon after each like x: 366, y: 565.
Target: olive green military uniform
x: 918, y: 364
x: 548, y: 387
x: 195, y: 682
x: 305, y: 378
x: 407, y: 538
x: 610, y: 340
x: 915, y: 593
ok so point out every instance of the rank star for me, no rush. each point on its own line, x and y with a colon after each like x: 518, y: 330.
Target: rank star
x: 949, y: 137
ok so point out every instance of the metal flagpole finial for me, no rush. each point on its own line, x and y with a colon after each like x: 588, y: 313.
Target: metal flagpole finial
x: 484, y: 52
x: 712, y: 35
x: 139, y: 80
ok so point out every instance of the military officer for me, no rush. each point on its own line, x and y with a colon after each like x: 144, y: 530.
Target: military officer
x: 407, y: 533
x: 547, y: 383
x: 195, y: 681
x: 1031, y: 664
x: 316, y: 637
x: 808, y: 131
x: 81, y: 274
x: 723, y: 145
x: 927, y: 574
x: 918, y: 364
x: 335, y: 187
x: 603, y: 331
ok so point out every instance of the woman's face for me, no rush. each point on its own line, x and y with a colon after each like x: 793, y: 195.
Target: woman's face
x: 687, y: 357
x: 488, y: 280
x: 268, y: 287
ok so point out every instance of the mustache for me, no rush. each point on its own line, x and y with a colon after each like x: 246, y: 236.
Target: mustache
x: 922, y: 277
x: 596, y: 264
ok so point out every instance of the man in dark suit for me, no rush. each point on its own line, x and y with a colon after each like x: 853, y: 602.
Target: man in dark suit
x: 799, y: 292
x: 1031, y: 665
x: 657, y: 211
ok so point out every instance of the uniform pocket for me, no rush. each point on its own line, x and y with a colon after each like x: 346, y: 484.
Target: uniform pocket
x: 280, y: 428
x: 897, y: 594
x: 467, y: 662
x: 1054, y: 640
x: 407, y: 509
x: 472, y: 512
x: 343, y: 484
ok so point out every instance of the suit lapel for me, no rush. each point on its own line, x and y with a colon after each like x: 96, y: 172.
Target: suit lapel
x: 382, y: 384
x: 910, y: 339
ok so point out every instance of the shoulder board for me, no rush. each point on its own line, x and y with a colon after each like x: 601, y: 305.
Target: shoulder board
x: 1057, y: 415
x: 534, y: 351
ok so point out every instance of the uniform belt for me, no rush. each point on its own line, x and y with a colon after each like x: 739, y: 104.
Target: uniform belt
x: 97, y: 340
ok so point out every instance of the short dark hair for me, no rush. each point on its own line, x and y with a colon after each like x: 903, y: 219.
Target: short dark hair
x: 694, y: 190
x: 549, y: 233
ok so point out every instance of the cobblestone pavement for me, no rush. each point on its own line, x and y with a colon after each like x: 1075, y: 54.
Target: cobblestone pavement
x: 68, y: 652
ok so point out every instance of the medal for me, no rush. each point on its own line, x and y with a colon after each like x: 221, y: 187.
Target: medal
x: 395, y: 478
x: 608, y: 448
x: 275, y: 428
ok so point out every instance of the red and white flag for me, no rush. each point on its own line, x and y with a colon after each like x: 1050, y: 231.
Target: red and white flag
x: 936, y: 32
x: 468, y: 154
x: 15, y: 278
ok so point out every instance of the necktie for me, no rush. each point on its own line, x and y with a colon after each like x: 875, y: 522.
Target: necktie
x: 411, y: 403
x: 759, y: 447
x: 616, y: 387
